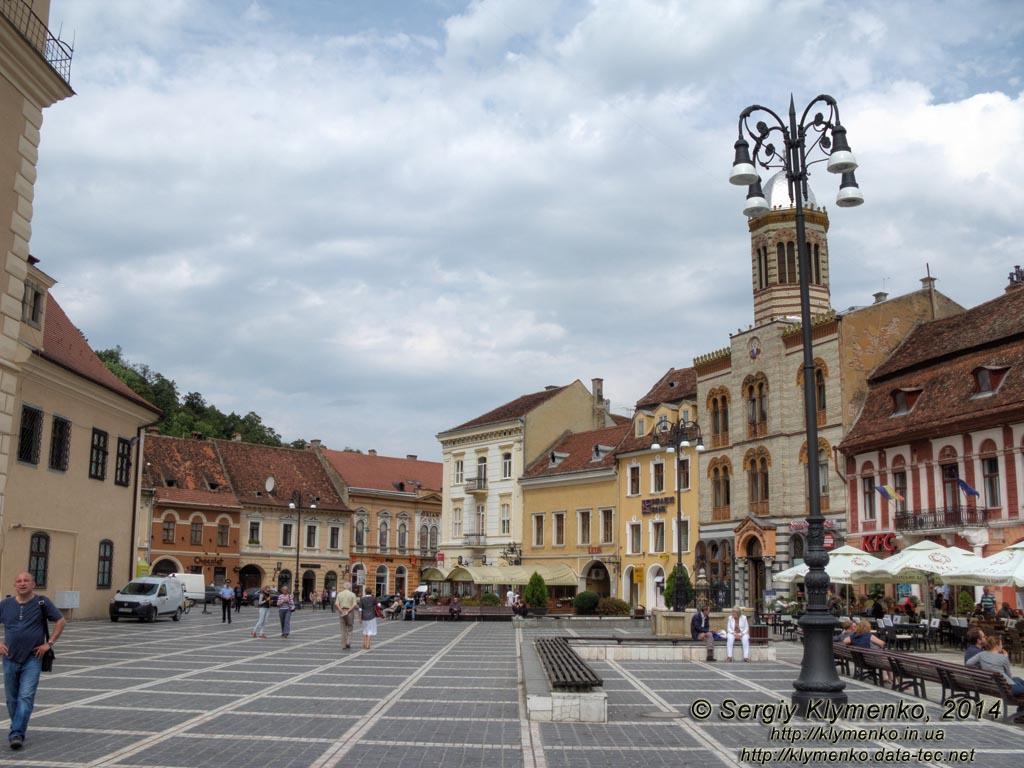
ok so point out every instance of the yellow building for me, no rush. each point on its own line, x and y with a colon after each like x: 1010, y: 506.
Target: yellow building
x: 570, y: 498
x: 658, y: 489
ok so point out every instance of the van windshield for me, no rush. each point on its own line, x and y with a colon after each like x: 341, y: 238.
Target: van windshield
x: 139, y: 588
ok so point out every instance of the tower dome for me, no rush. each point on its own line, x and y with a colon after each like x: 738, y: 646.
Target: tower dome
x: 776, y: 193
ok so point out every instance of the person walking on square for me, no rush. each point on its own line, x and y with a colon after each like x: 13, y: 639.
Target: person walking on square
x: 325, y: 599
x: 700, y: 630
x: 227, y: 594
x: 285, y: 606
x: 263, y: 602
x: 23, y: 648
x: 368, y: 615
x: 738, y: 628
x: 238, y: 598
x: 345, y: 603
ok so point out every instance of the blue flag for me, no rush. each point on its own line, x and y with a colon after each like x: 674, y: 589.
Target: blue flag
x: 967, y: 489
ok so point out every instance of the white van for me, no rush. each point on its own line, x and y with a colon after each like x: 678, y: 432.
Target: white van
x: 146, y: 598
x: 193, y: 584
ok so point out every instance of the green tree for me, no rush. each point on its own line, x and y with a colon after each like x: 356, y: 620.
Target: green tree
x: 684, y: 583
x: 536, y: 593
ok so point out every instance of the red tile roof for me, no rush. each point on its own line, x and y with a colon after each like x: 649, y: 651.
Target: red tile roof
x: 677, y: 384
x: 185, y: 472
x: 64, y: 345
x: 513, y: 410
x: 249, y: 465
x: 580, y: 447
x: 939, y: 359
x: 382, y: 473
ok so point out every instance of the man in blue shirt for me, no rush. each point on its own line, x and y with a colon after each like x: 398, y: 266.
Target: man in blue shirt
x: 227, y: 594
x: 23, y: 648
x: 988, y: 602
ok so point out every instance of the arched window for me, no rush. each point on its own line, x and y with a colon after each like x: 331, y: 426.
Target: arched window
x: 331, y: 582
x: 785, y: 257
x: 39, y: 558
x: 284, y: 579
x: 755, y: 391
x: 424, y: 533
x: 382, y: 539
x: 434, y: 533
x: 168, y: 529
x: 105, y: 564
x: 757, y: 463
x: 817, y: 264
x: 381, y: 581
x: 867, y: 484
x: 360, y: 533
x: 403, y: 535
x: 721, y: 488
x: 819, y: 386
x: 990, y: 475
x: 796, y: 549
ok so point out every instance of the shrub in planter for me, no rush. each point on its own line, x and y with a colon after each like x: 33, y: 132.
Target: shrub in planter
x: 489, y: 598
x: 612, y: 606
x: 536, y: 593
x: 685, y: 584
x: 586, y: 603
x: 965, y: 602
x: 470, y: 601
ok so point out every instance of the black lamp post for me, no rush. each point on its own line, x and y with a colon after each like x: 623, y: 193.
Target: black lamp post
x: 683, y: 434
x: 296, y: 504
x: 818, y: 679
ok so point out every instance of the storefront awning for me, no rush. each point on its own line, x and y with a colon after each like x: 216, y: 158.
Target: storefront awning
x: 554, y: 574
x: 433, y: 574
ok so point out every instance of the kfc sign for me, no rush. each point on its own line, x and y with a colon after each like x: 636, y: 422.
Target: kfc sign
x: 880, y: 542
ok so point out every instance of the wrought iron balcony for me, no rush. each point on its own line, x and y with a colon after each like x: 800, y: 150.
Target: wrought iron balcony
x: 475, y: 485
x: 54, y: 52
x: 946, y: 518
x: 474, y: 540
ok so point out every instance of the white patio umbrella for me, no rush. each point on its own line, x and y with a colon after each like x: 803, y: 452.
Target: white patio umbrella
x: 843, y: 562
x: 1003, y: 569
x: 916, y: 563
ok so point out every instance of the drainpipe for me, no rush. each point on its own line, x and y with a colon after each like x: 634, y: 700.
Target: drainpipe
x: 140, y: 440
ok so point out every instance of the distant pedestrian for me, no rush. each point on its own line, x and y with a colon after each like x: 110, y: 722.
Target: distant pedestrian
x: 227, y: 594
x: 325, y: 599
x: 285, y: 606
x: 263, y: 601
x: 510, y: 598
x: 346, y: 603
x: 24, y: 645
x: 368, y: 615
x: 238, y: 598
x: 988, y: 601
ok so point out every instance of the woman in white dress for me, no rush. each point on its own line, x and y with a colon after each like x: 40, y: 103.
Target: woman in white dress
x: 737, y: 629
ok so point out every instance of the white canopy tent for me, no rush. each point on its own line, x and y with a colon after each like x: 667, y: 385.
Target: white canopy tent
x: 843, y: 563
x: 916, y: 563
x: 1003, y: 569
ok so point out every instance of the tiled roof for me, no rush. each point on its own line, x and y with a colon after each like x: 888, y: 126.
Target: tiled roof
x: 580, y: 447
x: 248, y: 465
x: 64, y: 345
x: 988, y: 323
x: 360, y: 470
x: 948, y: 400
x: 185, y: 471
x: 512, y: 410
x: 677, y: 384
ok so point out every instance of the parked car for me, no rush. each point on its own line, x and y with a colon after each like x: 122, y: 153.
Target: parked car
x: 146, y: 598
x: 250, y: 595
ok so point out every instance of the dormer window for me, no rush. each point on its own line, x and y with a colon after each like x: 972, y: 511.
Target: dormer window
x: 640, y: 427
x: 987, y: 380
x: 600, y: 451
x: 904, y: 400
x: 169, y: 482
x: 556, y: 457
x: 213, y: 485
x: 32, y: 305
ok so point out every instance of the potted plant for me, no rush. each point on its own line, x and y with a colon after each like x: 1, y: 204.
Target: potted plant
x: 536, y: 595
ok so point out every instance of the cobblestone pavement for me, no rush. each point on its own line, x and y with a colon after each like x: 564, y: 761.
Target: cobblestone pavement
x: 201, y: 693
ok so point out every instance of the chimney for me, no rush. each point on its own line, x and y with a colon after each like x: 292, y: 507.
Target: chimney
x: 236, y: 437
x: 601, y: 406
x: 1016, y: 279
x: 412, y: 456
x: 928, y: 283
x: 372, y: 452
x: 152, y: 430
x: 197, y: 435
x: 880, y: 297
x: 314, y: 444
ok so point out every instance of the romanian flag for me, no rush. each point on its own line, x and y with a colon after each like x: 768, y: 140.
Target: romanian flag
x: 967, y: 489
x: 888, y: 493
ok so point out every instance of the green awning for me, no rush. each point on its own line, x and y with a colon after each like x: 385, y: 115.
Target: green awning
x: 433, y: 574
x: 554, y: 574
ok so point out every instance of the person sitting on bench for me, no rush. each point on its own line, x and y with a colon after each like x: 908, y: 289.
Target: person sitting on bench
x: 700, y: 630
x: 455, y: 609
x: 738, y: 628
x: 394, y: 609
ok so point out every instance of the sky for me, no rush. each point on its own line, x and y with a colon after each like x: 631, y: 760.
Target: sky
x: 371, y: 221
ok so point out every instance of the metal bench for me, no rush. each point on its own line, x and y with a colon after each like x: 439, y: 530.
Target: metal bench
x: 566, y: 671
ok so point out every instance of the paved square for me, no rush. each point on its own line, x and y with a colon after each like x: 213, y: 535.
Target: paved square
x: 445, y: 695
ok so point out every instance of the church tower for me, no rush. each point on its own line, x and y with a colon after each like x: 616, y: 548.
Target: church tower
x: 774, y: 265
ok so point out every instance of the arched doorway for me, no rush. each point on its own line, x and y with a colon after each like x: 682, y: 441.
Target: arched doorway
x: 250, y: 576
x: 164, y: 567
x: 755, y: 571
x: 597, y: 579
x: 380, y: 582
x: 331, y: 582
x: 309, y: 587
x: 284, y: 579
x: 358, y: 579
x: 655, y: 587
x: 401, y: 581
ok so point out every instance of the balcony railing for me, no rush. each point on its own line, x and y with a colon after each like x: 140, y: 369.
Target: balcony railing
x: 475, y: 485
x: 946, y: 518
x: 720, y: 513
x: 54, y: 52
x: 474, y: 540
x: 720, y: 440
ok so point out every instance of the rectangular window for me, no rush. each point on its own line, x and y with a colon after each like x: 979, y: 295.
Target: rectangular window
x: 634, y: 481
x: 640, y: 427
x: 584, y: 526
x: 457, y: 522
x: 506, y: 519
x: 868, y: 485
x: 899, y: 484
x: 286, y: 534
x: 459, y: 473
x: 32, y: 305
x: 607, y: 526
x: 98, y: 455
x: 506, y: 466
x: 684, y: 536
x: 195, y: 534
x: 634, y: 539
x: 335, y: 537
x: 30, y: 435
x: 558, y: 529
x: 481, y: 519
x: 60, y: 444
x: 990, y: 471
x: 105, y: 564
x: 684, y: 474
x: 254, y: 532
x: 658, y: 478
x: 223, y: 534
x: 657, y: 537
x: 311, y: 537
x: 168, y: 532
x: 538, y: 530
x: 123, y: 464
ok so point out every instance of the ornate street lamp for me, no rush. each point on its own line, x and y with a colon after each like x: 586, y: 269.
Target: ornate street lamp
x: 683, y: 434
x: 825, y: 133
x: 296, y: 504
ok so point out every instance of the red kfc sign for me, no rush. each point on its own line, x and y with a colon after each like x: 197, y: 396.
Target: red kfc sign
x: 440, y: 558
x: 880, y: 542
x: 830, y: 541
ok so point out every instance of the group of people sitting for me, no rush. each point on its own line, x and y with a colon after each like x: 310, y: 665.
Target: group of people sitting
x: 401, y: 607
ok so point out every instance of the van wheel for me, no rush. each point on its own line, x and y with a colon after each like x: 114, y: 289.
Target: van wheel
x: 177, y: 615
x: 114, y: 618
x: 152, y: 615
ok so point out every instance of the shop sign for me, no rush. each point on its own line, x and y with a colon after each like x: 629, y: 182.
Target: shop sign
x: 656, y: 506
x: 593, y: 550
x: 801, y: 525
x: 208, y: 560
x: 440, y: 558
x: 879, y: 542
x: 309, y: 565
x: 829, y: 541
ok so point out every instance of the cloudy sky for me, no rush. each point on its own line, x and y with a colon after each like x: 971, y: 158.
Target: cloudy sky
x: 370, y: 221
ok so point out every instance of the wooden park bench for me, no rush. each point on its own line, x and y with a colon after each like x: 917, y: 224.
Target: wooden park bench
x: 566, y: 671
x: 969, y: 683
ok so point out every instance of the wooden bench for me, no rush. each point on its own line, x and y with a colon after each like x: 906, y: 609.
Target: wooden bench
x: 869, y: 664
x: 843, y: 657
x: 566, y: 671
x: 969, y: 683
x: 911, y: 672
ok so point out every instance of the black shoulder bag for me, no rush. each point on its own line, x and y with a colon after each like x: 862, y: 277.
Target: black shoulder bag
x: 49, y: 656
